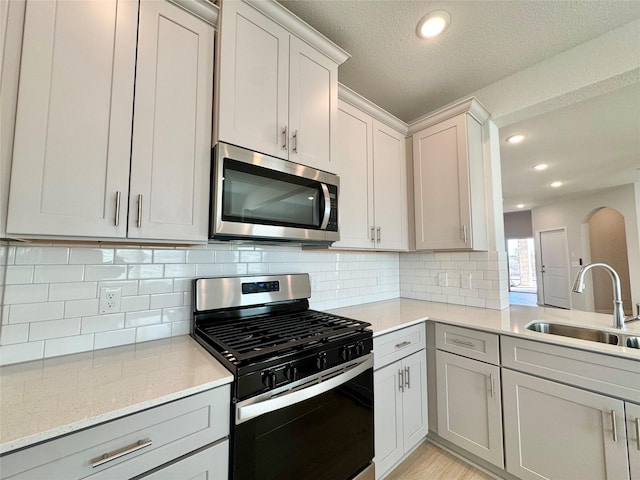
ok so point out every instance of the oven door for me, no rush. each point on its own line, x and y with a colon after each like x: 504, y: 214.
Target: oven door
x: 257, y: 196
x: 318, y: 429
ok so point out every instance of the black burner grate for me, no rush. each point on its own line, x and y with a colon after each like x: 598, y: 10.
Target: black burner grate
x: 247, y: 338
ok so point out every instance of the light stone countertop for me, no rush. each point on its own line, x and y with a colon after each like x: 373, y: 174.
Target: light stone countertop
x: 43, y: 399
x: 389, y: 315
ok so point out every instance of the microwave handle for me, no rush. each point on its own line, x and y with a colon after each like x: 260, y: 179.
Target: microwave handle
x: 327, y: 206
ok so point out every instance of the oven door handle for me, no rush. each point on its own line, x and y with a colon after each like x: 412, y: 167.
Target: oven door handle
x: 247, y: 412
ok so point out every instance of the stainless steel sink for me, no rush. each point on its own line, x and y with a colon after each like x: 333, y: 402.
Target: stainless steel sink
x: 633, y: 342
x: 581, y: 333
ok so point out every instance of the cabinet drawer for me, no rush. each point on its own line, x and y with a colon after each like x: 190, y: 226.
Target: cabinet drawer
x: 398, y: 344
x: 138, y: 442
x: 474, y: 344
x: 619, y: 377
x: 209, y: 463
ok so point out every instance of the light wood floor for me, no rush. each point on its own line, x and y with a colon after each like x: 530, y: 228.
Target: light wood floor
x: 429, y: 462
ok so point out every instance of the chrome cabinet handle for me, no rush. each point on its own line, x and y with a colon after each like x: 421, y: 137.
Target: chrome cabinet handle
x: 378, y: 234
x: 108, y: 457
x: 117, y: 219
x: 295, y: 142
x: 139, y: 220
x: 403, y: 344
x: 492, y: 386
x: 615, y: 428
x: 407, y: 378
x: 284, y: 138
x: 401, y: 380
x: 464, y: 233
x: 638, y: 432
x: 463, y: 342
x: 373, y: 234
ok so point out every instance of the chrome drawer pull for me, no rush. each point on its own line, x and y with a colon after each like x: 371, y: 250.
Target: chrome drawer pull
x: 373, y: 234
x: 401, y: 380
x: 407, y: 378
x: 615, y: 428
x: 463, y: 342
x: 284, y: 138
x: 108, y: 457
x: 139, y: 220
x: 403, y: 344
x: 493, y: 385
x: 117, y: 219
x: 638, y: 432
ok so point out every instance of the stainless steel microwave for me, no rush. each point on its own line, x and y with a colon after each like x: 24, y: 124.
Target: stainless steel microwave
x: 263, y: 198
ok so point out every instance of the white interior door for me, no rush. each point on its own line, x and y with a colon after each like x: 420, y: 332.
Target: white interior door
x: 555, y: 268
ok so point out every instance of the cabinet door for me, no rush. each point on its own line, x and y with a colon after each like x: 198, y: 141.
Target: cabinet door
x: 172, y: 125
x: 414, y: 399
x: 441, y: 183
x: 253, y: 93
x: 543, y: 418
x: 73, y: 124
x: 387, y: 417
x: 313, y: 106
x: 633, y: 433
x: 469, y: 406
x: 390, y: 188
x: 354, y: 157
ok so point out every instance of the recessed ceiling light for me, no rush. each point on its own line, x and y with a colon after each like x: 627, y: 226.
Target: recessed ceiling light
x: 541, y: 166
x: 515, y: 138
x: 556, y: 184
x: 433, y: 24
x: 520, y: 205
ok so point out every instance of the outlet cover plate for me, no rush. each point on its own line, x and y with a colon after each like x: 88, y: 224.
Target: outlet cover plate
x: 110, y: 299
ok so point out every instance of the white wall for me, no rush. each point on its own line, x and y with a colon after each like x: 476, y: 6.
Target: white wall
x: 574, y: 214
x: 51, y: 292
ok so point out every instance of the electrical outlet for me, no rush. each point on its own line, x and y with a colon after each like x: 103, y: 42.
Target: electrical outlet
x: 465, y: 280
x: 110, y: 298
x: 442, y: 279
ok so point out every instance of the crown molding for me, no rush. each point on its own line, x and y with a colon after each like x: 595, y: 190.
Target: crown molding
x: 204, y: 9
x: 352, y: 98
x: 470, y: 105
x: 299, y: 28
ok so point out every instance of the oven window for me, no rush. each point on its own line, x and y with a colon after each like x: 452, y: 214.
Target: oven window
x: 253, y: 194
x: 328, y: 437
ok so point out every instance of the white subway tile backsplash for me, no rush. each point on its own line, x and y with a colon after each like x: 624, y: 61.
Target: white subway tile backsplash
x: 145, y: 271
x: 103, y: 323
x: 136, y: 255
x: 180, y: 328
x: 68, y: 345
x: 73, y: 291
x: 10, y: 334
x: 41, y: 255
x: 58, y: 273
x: 139, y: 319
x: 153, y: 332
x: 168, y: 256
x: 98, y: 273
x: 134, y: 304
x: 91, y: 256
x: 18, y: 274
x: 14, y: 294
x: 183, y: 285
x: 36, y: 312
x: 164, y: 300
x: 129, y: 287
x: 54, y: 329
x: 81, y: 308
x: 176, y: 314
x: 200, y: 256
x: 160, y: 285
x: 21, y: 352
x: 114, y: 338
x: 179, y: 270
x: 208, y: 270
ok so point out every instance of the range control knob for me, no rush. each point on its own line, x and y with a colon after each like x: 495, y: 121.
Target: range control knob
x: 359, y: 349
x: 292, y: 373
x: 321, y: 361
x: 269, y: 379
x: 345, y: 353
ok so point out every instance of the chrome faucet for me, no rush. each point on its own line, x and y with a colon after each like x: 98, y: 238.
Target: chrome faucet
x: 618, y: 311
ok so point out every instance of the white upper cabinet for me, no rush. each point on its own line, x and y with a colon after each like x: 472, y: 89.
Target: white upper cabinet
x: 73, y: 143
x: 277, y: 94
x: 171, y: 147
x: 372, y: 165
x: 450, y: 205
x: 73, y: 123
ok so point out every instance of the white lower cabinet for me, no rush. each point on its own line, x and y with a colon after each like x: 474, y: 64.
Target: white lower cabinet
x: 469, y: 405
x: 633, y: 438
x: 400, y: 411
x: 135, y: 444
x: 554, y: 431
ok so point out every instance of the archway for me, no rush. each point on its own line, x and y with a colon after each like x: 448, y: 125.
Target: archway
x: 608, y: 244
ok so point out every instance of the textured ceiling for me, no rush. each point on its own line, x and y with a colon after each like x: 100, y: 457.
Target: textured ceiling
x: 589, y: 145
x: 486, y: 41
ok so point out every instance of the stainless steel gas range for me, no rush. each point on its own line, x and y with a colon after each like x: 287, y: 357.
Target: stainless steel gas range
x: 302, y: 398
